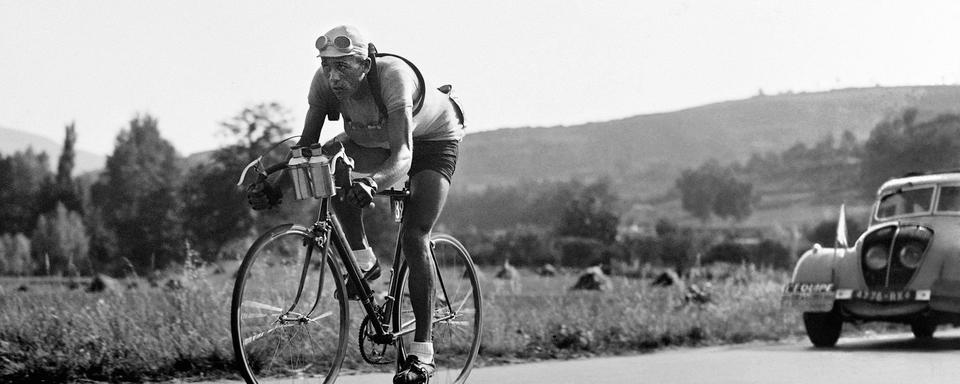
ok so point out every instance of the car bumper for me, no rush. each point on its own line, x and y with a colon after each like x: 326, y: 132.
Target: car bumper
x: 943, y: 295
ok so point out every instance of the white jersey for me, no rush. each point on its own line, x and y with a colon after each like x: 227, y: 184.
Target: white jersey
x: 436, y: 121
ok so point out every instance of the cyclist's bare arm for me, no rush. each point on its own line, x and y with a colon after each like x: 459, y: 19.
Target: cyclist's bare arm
x: 313, y: 124
x: 400, y: 134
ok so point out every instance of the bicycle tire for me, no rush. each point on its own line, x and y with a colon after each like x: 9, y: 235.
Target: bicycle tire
x: 456, y: 341
x: 267, y: 345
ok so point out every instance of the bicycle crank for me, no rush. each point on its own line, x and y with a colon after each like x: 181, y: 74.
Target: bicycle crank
x: 375, y: 349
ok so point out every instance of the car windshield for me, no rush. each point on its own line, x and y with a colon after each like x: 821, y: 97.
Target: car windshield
x: 905, y: 202
x: 949, y: 199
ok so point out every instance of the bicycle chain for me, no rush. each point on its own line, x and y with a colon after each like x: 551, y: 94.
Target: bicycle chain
x: 374, y: 356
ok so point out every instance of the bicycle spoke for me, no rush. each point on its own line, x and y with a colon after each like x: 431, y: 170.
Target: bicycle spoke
x: 254, y: 304
x: 456, y: 313
x: 321, y: 316
x: 464, y: 301
x: 264, y: 333
x: 272, y: 341
x: 406, y: 325
x: 253, y: 316
x: 461, y: 323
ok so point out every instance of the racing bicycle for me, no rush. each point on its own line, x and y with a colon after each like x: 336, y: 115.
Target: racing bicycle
x: 289, y: 319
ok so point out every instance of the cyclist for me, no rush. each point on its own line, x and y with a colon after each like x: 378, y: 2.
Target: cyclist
x: 423, y: 145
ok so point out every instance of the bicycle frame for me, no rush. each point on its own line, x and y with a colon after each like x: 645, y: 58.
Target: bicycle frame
x: 328, y: 231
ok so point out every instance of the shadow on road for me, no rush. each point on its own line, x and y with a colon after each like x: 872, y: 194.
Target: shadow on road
x: 905, y: 344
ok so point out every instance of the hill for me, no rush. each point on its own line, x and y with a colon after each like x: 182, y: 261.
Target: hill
x: 14, y: 140
x: 645, y: 153
x: 648, y: 151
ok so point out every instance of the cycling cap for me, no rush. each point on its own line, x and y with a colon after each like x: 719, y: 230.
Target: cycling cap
x: 342, y: 40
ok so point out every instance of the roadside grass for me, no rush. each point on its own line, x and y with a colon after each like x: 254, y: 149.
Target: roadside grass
x: 55, y: 334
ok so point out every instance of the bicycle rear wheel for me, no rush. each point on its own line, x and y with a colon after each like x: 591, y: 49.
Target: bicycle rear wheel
x: 280, y: 328
x: 457, y: 310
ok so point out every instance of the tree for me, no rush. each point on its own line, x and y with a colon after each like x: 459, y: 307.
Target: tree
x: 903, y: 145
x: 522, y: 245
x: 848, y: 144
x: 255, y: 130
x: 696, y: 189
x: 591, y: 213
x: 714, y: 189
x: 136, y: 195
x: 16, y: 254
x: 215, y: 210
x: 60, y: 237
x: 103, y: 242
x: 734, y: 199
x: 67, y: 155
x: 62, y: 189
x: 23, y: 176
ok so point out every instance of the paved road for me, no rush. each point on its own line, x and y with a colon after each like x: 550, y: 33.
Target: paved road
x: 896, y: 358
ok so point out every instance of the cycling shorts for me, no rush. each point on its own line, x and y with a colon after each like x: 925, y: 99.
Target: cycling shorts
x: 439, y: 156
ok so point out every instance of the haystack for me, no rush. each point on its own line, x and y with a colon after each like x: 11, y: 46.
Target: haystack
x: 547, y: 270
x: 667, y: 278
x: 593, y: 279
x: 508, y: 272
x: 104, y: 283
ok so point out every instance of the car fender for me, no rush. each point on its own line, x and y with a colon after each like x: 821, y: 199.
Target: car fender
x: 817, y: 265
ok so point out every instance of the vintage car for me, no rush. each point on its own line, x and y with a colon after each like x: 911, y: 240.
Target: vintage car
x: 904, y: 268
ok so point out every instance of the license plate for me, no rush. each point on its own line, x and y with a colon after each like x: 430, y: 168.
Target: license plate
x: 808, y: 288
x: 884, y: 296
x: 808, y: 297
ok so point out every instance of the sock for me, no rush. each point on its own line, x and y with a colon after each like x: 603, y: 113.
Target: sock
x: 365, y: 258
x: 423, y: 351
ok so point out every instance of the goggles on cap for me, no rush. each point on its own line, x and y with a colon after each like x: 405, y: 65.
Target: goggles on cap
x: 341, y: 43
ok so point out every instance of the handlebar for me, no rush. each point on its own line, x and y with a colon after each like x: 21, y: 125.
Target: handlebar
x: 257, y: 164
x: 335, y: 160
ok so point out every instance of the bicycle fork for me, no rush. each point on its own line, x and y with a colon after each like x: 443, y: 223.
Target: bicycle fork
x: 318, y: 241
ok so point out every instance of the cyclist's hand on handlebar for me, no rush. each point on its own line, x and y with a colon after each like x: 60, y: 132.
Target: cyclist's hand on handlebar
x: 263, y: 195
x: 361, y: 191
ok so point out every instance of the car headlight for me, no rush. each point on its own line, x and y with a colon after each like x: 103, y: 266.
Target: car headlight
x: 910, y: 255
x: 877, y: 257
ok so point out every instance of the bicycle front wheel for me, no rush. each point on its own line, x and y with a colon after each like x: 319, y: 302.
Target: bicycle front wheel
x: 456, y: 314
x: 287, y: 323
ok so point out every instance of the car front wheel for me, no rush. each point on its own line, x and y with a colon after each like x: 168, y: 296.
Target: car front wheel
x: 923, y: 329
x: 823, y: 328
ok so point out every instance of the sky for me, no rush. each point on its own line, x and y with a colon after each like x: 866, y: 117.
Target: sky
x: 195, y: 64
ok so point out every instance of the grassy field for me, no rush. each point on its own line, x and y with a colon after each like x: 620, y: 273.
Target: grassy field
x: 52, y: 333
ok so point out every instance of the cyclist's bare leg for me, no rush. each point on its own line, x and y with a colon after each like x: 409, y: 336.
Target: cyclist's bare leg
x: 428, y: 192
x: 365, y: 160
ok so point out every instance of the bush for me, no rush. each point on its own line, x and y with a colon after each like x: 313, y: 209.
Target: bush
x: 766, y: 253
x: 673, y: 247
x: 523, y: 246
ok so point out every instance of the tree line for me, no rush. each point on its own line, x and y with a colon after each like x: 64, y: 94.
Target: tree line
x: 150, y: 206
x: 830, y: 168
x: 144, y: 211
x: 522, y: 223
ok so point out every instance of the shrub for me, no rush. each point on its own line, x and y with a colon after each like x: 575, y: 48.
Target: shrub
x: 763, y: 253
x: 525, y: 246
